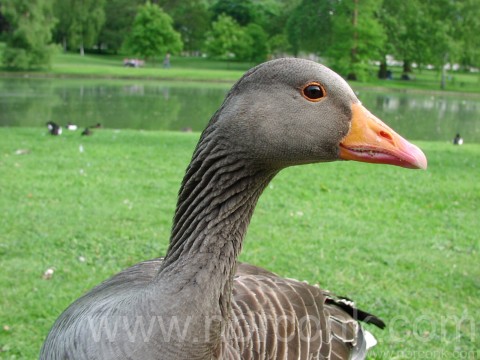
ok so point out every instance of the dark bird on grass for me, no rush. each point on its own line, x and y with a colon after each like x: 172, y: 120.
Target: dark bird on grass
x: 282, y: 113
x: 457, y: 140
x: 54, y: 128
x: 87, y: 132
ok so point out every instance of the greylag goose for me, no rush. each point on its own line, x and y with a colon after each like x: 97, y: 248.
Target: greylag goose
x: 198, y: 302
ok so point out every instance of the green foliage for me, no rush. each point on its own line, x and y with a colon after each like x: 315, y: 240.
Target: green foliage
x: 440, y: 24
x: 80, y: 22
x: 259, y: 48
x: 152, y: 34
x: 433, y: 32
x: 468, y: 31
x: 119, y: 15
x: 271, y: 15
x: 428, y: 32
x: 279, y: 45
x: 309, y: 26
x: 358, y: 38
x: 227, y: 39
x: 407, y: 34
x: 415, y: 31
x: 240, y: 10
x: 64, y: 18
x: 28, y: 41
x: 192, y: 20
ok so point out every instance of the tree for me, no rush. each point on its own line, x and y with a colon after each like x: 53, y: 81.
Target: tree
x: 80, y: 22
x: 279, y: 45
x: 228, y: 39
x: 64, y: 19
x: 358, y: 37
x: 272, y: 15
x: 119, y: 15
x: 406, y: 32
x: 4, y: 25
x: 309, y: 27
x: 467, y: 31
x: 191, y: 19
x: 442, y: 46
x: 152, y: 33
x: 432, y: 32
x: 259, y: 43
x: 29, y: 34
x: 240, y: 10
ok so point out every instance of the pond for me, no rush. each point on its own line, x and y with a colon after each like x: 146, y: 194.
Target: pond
x: 156, y: 105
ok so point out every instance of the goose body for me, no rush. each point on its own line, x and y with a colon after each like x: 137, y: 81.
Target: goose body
x: 198, y: 302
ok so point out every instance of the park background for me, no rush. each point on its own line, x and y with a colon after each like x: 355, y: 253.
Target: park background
x: 88, y: 207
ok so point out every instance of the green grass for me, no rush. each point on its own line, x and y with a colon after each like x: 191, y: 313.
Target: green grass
x: 203, y: 69
x: 404, y: 244
x: 111, y: 66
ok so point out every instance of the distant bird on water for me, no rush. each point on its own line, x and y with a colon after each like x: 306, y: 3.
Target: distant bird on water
x: 457, y: 140
x: 54, y: 128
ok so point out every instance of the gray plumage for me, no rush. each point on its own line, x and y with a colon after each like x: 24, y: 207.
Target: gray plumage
x: 198, y: 302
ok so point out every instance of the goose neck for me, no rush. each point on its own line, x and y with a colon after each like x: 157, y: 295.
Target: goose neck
x: 213, y: 212
x: 216, y: 201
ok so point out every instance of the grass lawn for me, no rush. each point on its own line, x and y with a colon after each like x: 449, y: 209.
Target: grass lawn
x: 111, y: 66
x: 404, y: 244
x: 202, y: 69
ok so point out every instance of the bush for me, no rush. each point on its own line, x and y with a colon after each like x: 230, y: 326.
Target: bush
x: 25, y: 59
x: 30, y: 35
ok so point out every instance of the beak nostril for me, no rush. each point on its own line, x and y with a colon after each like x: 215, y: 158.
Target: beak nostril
x: 386, y: 135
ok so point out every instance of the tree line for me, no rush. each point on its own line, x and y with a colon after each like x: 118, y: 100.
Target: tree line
x: 347, y: 34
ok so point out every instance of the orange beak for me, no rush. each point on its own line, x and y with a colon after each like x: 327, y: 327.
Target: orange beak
x: 370, y: 140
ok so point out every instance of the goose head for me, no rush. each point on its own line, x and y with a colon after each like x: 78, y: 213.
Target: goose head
x: 291, y: 111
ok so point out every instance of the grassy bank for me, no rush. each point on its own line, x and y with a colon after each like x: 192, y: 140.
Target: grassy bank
x: 200, y: 69
x: 404, y: 244
x: 111, y: 66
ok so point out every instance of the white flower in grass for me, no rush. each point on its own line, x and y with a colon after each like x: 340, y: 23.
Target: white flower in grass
x: 47, y: 275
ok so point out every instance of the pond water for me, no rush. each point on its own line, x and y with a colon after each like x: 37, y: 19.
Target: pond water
x: 155, y: 105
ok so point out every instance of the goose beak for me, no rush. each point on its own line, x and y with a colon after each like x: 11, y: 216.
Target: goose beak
x: 370, y: 140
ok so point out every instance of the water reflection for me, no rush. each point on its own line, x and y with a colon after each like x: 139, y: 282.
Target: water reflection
x: 439, y: 104
x: 427, y: 117
x: 177, y: 106
x: 115, y: 104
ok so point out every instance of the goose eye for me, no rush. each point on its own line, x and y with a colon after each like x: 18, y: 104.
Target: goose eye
x: 313, y: 92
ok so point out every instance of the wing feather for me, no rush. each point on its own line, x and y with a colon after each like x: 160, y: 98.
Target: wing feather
x: 277, y: 318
